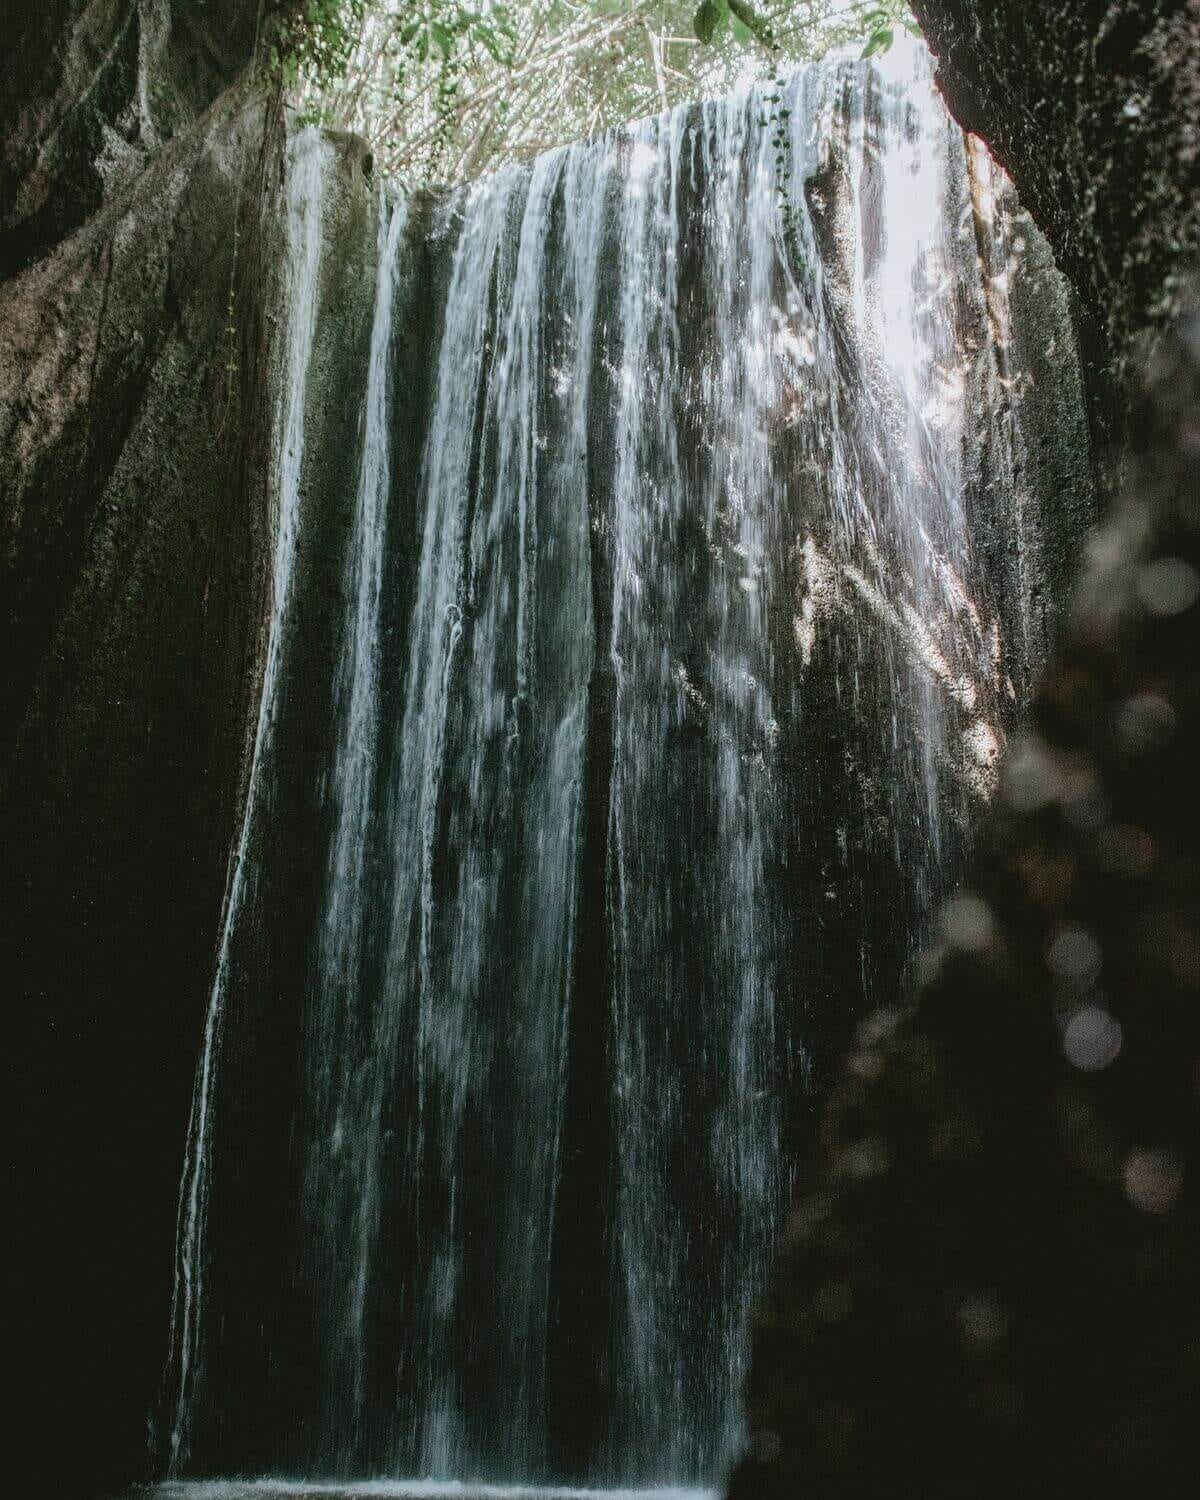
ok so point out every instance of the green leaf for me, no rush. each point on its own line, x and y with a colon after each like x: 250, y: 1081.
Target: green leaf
x: 442, y: 37
x: 880, y: 41
x: 707, y: 19
x: 741, y: 32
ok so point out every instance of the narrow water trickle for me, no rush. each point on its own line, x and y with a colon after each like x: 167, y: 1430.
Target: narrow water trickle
x: 308, y: 162
x: 674, y: 667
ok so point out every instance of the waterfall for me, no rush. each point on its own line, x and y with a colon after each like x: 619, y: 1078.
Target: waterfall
x: 338, y: 1200
x: 483, y: 813
x: 673, y: 670
x: 693, y: 801
x: 307, y: 164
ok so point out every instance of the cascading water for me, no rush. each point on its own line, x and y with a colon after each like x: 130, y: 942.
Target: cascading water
x: 666, y: 691
x: 339, y: 1190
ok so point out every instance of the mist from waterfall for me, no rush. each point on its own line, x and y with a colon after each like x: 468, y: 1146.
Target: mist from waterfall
x: 668, y: 683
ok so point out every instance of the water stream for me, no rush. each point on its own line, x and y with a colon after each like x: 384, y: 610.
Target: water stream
x: 669, y: 684
x: 308, y: 161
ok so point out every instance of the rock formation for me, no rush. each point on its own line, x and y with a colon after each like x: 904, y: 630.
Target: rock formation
x: 91, y: 89
x: 140, y: 244
x: 1091, y: 108
x: 987, y: 1285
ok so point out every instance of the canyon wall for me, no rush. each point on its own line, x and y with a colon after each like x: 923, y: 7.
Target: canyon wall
x: 137, y: 413
x: 1091, y: 107
x: 988, y: 1285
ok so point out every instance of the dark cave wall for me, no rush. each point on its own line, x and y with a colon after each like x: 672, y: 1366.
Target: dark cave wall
x: 90, y: 89
x: 138, y: 379
x: 1093, y: 108
x: 133, y: 590
x: 988, y: 1282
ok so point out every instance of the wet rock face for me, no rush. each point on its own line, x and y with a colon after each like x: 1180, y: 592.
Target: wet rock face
x: 987, y: 1284
x: 122, y: 702
x: 88, y: 91
x: 1092, y: 109
x: 138, y: 382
